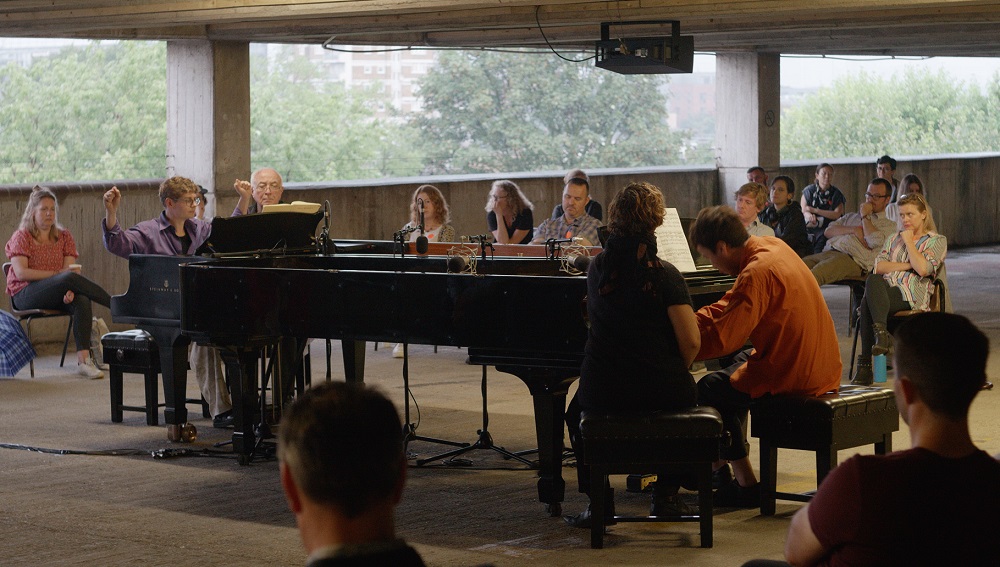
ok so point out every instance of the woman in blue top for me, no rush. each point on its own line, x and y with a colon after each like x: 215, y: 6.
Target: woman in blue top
x: 508, y: 204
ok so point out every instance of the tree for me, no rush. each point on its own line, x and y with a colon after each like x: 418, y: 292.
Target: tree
x: 97, y: 112
x: 492, y: 112
x: 918, y: 113
x: 311, y: 129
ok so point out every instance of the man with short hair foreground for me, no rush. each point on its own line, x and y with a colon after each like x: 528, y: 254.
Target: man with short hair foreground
x: 343, y: 468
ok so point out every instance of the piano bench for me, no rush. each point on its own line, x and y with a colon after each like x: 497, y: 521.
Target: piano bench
x: 852, y: 417
x: 135, y: 352
x: 684, y: 441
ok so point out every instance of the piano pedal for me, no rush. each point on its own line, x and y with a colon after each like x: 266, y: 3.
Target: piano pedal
x: 640, y: 482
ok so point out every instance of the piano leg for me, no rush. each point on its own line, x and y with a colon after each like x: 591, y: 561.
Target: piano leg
x: 241, y: 373
x: 172, y: 348
x: 354, y: 360
x: 548, y: 392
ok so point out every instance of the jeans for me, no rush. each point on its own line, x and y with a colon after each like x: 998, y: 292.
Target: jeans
x: 880, y: 300
x: 48, y: 294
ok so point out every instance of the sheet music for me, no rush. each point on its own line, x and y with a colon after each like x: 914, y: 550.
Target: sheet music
x: 671, y: 243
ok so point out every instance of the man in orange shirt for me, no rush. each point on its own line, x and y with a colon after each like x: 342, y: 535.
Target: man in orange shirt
x: 777, y: 305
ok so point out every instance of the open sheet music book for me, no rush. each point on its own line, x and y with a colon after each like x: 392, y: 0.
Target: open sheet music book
x: 672, y: 244
x: 293, y: 207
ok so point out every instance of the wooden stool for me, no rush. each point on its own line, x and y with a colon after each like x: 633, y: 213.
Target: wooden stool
x: 854, y: 416
x: 681, y: 441
x: 136, y: 352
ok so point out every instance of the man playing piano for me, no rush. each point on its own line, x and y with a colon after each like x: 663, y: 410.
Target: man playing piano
x: 777, y: 305
x: 176, y: 232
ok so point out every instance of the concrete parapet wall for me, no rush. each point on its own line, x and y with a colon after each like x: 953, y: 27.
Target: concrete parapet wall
x: 963, y: 190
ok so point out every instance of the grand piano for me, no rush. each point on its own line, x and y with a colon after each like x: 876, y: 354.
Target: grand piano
x: 524, y: 315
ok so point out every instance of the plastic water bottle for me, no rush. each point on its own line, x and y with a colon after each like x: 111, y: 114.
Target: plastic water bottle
x: 878, y: 366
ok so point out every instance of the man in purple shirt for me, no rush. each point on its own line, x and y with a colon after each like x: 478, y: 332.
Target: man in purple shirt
x: 176, y: 232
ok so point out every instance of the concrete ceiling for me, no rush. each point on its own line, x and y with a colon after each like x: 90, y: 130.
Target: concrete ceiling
x: 836, y: 27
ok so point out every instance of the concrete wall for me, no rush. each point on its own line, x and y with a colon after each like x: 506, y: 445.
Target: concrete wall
x: 964, y: 191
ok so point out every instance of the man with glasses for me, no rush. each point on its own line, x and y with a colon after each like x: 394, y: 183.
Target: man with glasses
x: 176, y: 232
x: 854, y: 239
x: 264, y: 188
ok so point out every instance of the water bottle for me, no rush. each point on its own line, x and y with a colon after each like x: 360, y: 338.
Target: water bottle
x: 878, y: 365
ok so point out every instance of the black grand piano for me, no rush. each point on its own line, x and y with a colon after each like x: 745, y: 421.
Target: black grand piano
x: 523, y: 315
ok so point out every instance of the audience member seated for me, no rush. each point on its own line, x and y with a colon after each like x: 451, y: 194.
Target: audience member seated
x: 885, y: 167
x: 784, y: 216
x: 750, y: 200
x: 911, y: 184
x: 176, y: 232
x: 756, y: 174
x: 265, y: 188
x: 777, y: 306
x: 904, y: 279
x: 932, y: 504
x: 822, y: 203
x: 575, y: 222
x: 45, y: 274
x: 593, y: 208
x: 508, y: 204
x: 855, y: 238
x: 437, y: 215
x: 343, y: 468
x: 643, y: 335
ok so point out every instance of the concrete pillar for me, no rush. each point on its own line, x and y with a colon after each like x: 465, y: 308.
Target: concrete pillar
x: 208, y: 114
x: 747, y: 119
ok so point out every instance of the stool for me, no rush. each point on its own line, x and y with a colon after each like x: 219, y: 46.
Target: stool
x: 684, y: 441
x: 136, y: 352
x: 854, y: 416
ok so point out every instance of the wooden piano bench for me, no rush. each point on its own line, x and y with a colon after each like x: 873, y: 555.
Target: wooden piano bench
x: 852, y: 417
x: 680, y: 441
x: 135, y: 352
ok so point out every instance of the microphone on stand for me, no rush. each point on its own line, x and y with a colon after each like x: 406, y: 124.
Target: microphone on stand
x: 421, y: 240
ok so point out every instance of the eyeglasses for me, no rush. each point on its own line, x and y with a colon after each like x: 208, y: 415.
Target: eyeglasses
x: 264, y: 186
x: 190, y: 200
x: 873, y: 196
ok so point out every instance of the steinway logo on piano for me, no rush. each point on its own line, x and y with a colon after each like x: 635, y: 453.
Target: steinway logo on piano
x: 166, y: 287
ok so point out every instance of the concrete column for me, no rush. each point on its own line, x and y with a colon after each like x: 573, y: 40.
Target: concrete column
x: 748, y: 109
x: 208, y: 114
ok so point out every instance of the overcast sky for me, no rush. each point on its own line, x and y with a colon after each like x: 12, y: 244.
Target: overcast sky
x: 814, y: 71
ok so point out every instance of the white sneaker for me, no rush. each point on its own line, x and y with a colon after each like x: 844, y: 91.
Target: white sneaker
x: 88, y: 370
x: 397, y: 351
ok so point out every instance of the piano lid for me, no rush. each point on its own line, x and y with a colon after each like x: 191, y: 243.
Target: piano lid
x: 262, y: 231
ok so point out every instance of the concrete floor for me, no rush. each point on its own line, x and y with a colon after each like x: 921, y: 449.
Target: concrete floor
x: 126, y: 509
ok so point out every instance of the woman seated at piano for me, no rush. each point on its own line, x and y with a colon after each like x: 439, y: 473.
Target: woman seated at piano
x: 508, y: 205
x: 429, y: 208
x: 44, y: 273
x: 643, y: 334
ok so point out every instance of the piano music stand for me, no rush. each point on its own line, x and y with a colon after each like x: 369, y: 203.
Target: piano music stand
x: 263, y: 231
x: 485, y: 440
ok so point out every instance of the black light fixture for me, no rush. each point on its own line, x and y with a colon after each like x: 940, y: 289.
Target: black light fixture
x: 645, y: 55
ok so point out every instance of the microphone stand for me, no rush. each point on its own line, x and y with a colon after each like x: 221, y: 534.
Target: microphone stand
x: 324, y: 235
x: 484, y: 243
x: 552, y: 246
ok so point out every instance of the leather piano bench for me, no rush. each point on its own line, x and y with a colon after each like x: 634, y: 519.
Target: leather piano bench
x: 852, y: 417
x: 680, y: 441
x: 135, y: 352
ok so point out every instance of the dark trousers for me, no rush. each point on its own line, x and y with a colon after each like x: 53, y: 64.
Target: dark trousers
x: 717, y: 391
x: 48, y: 294
x: 880, y: 300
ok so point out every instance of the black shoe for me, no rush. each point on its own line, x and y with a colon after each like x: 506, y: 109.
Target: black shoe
x: 722, y: 477
x: 863, y: 375
x: 883, y: 342
x: 670, y: 505
x: 223, y: 420
x: 584, y: 519
x: 735, y: 496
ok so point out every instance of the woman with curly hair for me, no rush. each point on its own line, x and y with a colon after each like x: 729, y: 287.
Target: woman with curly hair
x: 507, y: 204
x: 437, y: 215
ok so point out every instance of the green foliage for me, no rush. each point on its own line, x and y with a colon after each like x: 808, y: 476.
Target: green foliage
x: 918, y: 113
x: 97, y: 112
x: 494, y: 112
x: 313, y: 130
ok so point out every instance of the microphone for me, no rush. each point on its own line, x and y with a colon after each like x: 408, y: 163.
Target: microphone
x: 581, y: 262
x: 457, y: 264
x: 421, y: 240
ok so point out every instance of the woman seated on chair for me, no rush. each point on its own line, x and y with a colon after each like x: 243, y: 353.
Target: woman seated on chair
x: 905, y: 270
x: 643, y: 334
x: 44, y: 273
x: 508, y: 214
x: 436, y: 216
